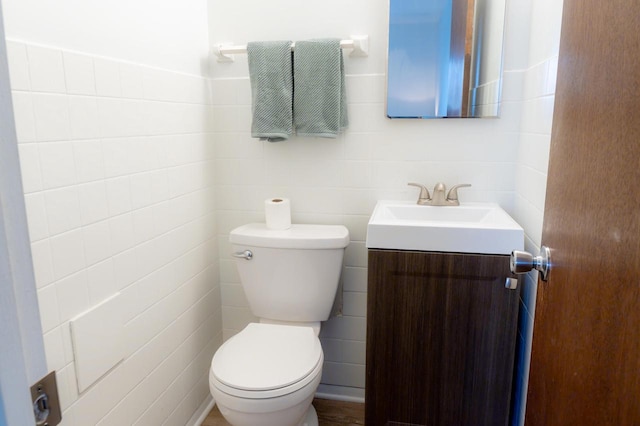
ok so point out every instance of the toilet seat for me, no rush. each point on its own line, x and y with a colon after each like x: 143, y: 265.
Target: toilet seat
x: 266, y: 361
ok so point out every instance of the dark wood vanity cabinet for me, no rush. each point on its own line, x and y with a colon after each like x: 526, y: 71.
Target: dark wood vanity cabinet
x: 441, y: 337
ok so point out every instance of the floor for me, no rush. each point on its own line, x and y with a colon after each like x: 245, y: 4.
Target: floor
x: 330, y: 413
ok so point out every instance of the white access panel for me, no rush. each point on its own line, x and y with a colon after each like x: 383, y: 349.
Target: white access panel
x: 98, y: 340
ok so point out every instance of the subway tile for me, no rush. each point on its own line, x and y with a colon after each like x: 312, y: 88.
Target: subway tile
x: 63, y: 209
x: 18, y: 66
x: 131, y: 81
x: 53, y: 349
x: 58, y: 164
x: 355, y: 304
x: 121, y: 231
x: 67, y: 253
x: 332, y: 349
x: 46, y: 69
x: 233, y: 295
x: 73, y: 297
x: 117, y: 158
x: 355, y: 279
x: 93, y: 202
x: 345, y: 327
x: 107, y: 76
x: 119, y: 195
x: 30, y: 168
x: 236, y: 318
x: 111, y: 117
x: 79, y: 74
x: 42, y: 263
x: 97, y: 242
x: 48, y: 307
x: 356, y: 254
x: 51, y: 113
x: 127, y: 268
x: 365, y: 88
x: 36, y: 216
x: 354, y: 352
x: 24, y: 117
x: 340, y: 374
x: 89, y: 160
x: 66, y: 380
x: 84, y: 118
x: 101, y: 282
x: 142, y: 190
x: 144, y: 224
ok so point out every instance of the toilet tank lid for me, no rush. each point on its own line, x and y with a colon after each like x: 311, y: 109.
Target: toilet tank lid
x: 296, y: 237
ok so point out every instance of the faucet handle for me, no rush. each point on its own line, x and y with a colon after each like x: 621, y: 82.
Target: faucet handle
x: 453, y: 192
x: 424, y: 192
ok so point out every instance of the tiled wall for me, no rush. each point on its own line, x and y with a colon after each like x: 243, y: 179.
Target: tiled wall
x: 339, y: 181
x: 117, y: 164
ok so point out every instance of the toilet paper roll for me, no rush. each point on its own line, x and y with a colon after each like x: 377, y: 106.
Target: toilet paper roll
x: 277, y: 213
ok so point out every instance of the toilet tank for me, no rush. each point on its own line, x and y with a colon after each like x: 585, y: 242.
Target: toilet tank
x: 293, y: 274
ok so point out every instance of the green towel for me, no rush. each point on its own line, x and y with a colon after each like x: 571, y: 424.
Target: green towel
x: 319, y: 101
x: 271, y: 89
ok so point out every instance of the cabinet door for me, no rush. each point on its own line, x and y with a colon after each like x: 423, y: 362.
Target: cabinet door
x: 441, y: 333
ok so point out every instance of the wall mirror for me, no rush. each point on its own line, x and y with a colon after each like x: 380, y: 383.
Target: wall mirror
x: 445, y: 58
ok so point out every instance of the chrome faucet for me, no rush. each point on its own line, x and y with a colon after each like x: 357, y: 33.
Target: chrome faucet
x: 438, y: 199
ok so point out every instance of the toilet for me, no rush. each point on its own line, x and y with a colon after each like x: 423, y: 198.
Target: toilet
x: 267, y: 374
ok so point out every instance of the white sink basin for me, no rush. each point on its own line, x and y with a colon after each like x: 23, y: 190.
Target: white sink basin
x: 467, y: 228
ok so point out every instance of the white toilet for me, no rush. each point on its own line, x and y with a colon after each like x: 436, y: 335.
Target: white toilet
x: 267, y: 374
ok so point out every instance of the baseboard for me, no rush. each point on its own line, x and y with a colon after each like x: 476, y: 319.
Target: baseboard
x: 202, y: 412
x: 340, y: 393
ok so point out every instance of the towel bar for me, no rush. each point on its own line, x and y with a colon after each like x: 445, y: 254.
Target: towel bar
x: 359, y: 45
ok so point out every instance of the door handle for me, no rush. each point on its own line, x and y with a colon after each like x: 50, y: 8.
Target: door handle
x: 522, y: 262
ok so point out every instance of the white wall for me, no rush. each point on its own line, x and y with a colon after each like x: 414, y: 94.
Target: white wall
x: 117, y: 167
x: 167, y: 34
x: 339, y: 181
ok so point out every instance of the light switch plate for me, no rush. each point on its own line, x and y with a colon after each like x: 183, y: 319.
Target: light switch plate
x: 44, y: 395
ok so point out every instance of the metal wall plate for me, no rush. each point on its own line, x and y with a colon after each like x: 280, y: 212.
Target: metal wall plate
x: 46, y: 404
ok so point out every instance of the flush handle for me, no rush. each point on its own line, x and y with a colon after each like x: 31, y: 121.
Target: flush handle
x: 522, y: 262
x: 247, y: 254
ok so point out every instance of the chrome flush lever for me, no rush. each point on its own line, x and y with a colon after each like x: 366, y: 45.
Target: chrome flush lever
x: 522, y: 262
x: 247, y: 254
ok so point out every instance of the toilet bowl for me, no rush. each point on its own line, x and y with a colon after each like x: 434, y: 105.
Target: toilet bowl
x: 267, y: 375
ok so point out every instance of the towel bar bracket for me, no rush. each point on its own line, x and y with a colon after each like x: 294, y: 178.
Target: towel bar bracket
x: 358, y: 44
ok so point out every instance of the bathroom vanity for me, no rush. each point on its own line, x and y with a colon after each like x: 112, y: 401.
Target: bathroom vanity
x: 441, y: 325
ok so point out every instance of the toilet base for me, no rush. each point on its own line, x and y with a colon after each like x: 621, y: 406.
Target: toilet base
x: 311, y: 419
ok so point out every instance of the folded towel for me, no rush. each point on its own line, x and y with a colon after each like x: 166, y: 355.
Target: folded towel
x: 271, y: 89
x: 319, y: 101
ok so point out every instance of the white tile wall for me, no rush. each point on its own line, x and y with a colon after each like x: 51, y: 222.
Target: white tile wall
x: 118, y: 167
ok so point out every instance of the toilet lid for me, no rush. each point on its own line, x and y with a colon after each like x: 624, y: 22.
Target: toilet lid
x: 266, y: 356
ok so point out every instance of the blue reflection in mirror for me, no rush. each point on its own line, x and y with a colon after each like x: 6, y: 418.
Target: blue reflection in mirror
x: 445, y: 58
x: 419, y: 43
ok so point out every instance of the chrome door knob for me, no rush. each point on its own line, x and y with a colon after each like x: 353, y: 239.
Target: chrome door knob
x: 523, y: 262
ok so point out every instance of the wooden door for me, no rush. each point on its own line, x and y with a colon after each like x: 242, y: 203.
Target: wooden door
x: 585, y: 367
